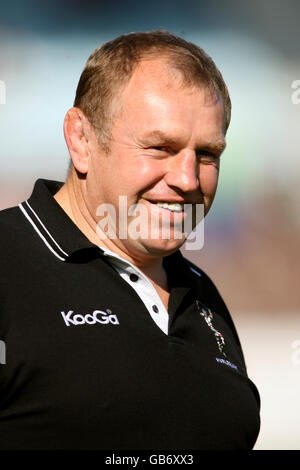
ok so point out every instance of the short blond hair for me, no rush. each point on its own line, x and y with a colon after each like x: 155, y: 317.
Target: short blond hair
x: 111, y: 66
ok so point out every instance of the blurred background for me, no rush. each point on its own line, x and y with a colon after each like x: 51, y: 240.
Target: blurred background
x: 252, y: 234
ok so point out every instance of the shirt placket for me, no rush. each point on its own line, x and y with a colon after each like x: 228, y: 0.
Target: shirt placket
x: 143, y: 288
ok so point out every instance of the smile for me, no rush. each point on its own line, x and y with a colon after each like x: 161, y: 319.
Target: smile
x: 171, y: 206
x: 171, y: 210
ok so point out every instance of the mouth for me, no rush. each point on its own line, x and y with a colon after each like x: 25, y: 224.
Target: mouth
x: 170, y: 206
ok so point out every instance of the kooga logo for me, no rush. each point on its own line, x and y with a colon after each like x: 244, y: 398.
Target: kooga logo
x: 98, y: 316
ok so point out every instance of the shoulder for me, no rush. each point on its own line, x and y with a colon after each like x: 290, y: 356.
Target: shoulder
x: 10, y: 221
x: 13, y: 231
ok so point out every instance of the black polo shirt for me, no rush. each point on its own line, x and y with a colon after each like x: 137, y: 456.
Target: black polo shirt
x: 87, y: 367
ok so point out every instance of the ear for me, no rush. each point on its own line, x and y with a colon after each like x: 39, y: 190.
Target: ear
x: 77, y: 135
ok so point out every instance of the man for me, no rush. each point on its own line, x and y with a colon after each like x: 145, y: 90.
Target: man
x: 113, y: 339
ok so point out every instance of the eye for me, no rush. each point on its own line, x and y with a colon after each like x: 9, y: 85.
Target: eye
x: 159, y: 151
x: 205, y: 156
x: 160, y: 148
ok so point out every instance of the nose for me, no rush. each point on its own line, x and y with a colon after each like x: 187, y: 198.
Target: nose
x: 183, y: 172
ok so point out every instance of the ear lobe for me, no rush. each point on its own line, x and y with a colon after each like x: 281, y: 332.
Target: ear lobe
x: 77, y: 139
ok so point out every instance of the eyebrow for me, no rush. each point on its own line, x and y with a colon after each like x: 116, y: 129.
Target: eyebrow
x: 218, y: 147
x: 160, y: 137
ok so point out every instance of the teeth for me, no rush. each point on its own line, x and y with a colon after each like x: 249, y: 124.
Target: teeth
x: 171, y: 206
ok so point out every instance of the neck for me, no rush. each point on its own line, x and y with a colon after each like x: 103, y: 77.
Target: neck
x: 71, y: 197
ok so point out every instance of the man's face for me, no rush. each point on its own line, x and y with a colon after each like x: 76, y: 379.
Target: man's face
x: 165, y: 148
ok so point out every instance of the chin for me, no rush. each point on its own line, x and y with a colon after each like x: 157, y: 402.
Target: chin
x: 162, y: 247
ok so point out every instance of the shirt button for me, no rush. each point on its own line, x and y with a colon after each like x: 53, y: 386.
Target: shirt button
x: 155, y: 308
x: 133, y: 277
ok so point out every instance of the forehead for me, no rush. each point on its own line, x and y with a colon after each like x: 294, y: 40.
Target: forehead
x: 157, y: 98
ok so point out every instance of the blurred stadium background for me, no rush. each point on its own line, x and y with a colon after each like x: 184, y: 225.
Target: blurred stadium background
x: 252, y: 234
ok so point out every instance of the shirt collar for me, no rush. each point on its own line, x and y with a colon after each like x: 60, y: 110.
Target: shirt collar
x: 51, y: 222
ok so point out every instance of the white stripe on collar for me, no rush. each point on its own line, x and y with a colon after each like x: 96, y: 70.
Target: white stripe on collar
x: 194, y: 271
x: 26, y: 214
x: 46, y: 229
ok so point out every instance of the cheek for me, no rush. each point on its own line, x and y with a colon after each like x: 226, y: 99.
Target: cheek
x: 209, y: 180
x: 141, y: 174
